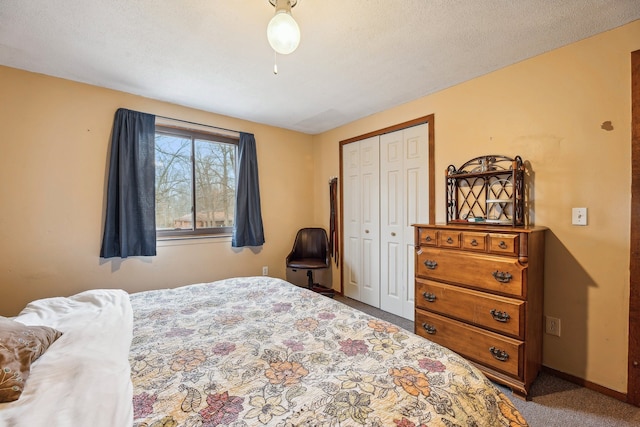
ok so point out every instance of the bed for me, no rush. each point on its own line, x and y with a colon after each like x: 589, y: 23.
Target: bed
x: 253, y: 351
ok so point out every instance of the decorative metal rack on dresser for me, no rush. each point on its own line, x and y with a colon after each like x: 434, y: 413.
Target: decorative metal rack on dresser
x: 480, y: 277
x: 487, y: 189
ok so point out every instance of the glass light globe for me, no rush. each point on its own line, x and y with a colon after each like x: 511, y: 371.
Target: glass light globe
x: 283, y: 33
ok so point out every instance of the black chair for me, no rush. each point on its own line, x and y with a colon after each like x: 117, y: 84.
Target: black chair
x: 311, y: 252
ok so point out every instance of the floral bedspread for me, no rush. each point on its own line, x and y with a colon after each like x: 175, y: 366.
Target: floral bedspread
x: 260, y: 351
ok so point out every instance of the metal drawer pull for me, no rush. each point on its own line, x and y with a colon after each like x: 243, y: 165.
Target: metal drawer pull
x: 431, y: 265
x: 430, y: 329
x: 502, y: 245
x: 500, y: 316
x: 474, y: 242
x: 427, y: 239
x: 502, y: 277
x: 429, y: 296
x: 500, y: 355
x: 449, y: 240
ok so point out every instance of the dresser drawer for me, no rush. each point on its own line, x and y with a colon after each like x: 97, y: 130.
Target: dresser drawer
x: 449, y: 238
x: 503, y: 275
x: 498, y: 352
x: 500, y: 314
x: 474, y: 241
x: 506, y: 244
x: 427, y: 237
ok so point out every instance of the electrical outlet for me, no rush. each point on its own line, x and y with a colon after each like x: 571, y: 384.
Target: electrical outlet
x: 265, y: 271
x: 552, y: 326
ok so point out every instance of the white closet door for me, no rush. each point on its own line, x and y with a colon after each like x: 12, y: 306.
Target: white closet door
x: 404, y: 200
x: 416, y: 211
x: 360, y: 175
x: 392, y: 257
x: 385, y: 188
x: 370, y: 221
x: 351, y: 219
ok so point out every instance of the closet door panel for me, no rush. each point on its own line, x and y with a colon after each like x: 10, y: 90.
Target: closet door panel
x: 416, y: 172
x: 392, y: 269
x: 370, y: 221
x: 413, y: 191
x: 351, y: 219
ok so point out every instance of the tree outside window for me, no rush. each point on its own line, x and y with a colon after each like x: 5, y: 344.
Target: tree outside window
x: 195, y: 182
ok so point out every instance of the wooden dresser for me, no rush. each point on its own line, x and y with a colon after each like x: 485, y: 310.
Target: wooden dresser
x: 479, y: 292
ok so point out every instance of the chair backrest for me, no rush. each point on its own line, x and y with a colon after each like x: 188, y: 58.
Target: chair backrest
x: 310, y: 243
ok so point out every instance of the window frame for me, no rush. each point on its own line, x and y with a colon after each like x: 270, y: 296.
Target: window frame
x: 194, y: 134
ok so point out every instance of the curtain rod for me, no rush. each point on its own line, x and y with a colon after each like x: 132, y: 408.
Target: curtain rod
x: 197, y: 124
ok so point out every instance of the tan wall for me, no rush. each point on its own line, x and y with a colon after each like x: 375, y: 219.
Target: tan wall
x: 549, y: 110
x: 53, y: 151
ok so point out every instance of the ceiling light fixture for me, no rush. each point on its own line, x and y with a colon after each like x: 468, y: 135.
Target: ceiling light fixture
x: 283, y: 32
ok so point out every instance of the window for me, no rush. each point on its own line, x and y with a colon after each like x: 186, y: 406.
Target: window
x: 195, y: 182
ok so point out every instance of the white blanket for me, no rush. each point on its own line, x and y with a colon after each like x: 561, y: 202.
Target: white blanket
x: 83, y: 379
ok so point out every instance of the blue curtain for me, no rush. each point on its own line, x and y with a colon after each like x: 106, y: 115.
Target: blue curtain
x: 247, y: 230
x: 130, y: 220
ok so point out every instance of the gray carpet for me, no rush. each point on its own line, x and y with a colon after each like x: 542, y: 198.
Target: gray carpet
x: 554, y: 401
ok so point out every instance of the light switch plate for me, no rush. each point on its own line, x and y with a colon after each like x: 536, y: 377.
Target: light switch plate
x: 579, y: 216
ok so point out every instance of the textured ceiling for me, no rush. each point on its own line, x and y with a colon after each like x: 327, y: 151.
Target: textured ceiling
x: 356, y: 57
